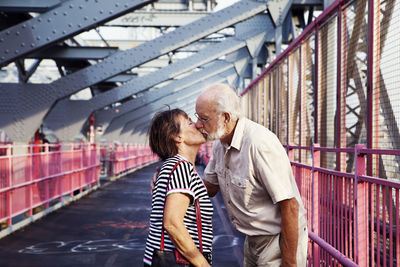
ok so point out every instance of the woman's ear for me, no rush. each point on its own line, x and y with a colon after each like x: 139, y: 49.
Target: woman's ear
x: 177, y: 138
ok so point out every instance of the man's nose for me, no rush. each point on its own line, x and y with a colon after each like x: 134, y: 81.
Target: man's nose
x: 199, y: 124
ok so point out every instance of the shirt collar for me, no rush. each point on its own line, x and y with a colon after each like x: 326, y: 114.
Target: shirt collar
x: 238, y: 134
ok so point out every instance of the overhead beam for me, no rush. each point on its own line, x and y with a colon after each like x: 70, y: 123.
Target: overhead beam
x: 23, y: 6
x: 74, y: 53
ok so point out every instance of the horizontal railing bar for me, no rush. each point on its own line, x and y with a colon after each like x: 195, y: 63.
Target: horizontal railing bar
x: 331, y: 250
x: 47, y: 178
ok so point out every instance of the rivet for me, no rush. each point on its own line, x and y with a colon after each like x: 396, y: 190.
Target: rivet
x: 64, y: 32
x: 33, y: 27
x: 85, y: 18
x: 101, y: 11
x: 39, y: 20
x: 65, y: 13
x: 69, y: 25
x: 3, y: 57
x: 49, y: 20
x: 38, y: 38
x: 80, y: 7
x: 55, y: 13
x: 22, y: 44
x: 32, y: 44
x: 71, y: 6
x: 16, y: 51
x: 79, y: 25
x: 48, y: 38
x: 54, y: 31
x: 7, y: 51
x: 23, y: 26
x: 110, y: 11
x: 1, y: 39
x: 8, y: 32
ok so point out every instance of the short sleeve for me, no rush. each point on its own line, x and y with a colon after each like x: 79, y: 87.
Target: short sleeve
x: 181, y: 180
x: 273, y: 169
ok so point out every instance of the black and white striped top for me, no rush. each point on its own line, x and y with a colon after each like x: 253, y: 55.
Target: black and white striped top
x: 184, y: 180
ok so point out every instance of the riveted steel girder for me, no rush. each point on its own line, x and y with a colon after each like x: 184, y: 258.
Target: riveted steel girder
x: 74, y: 53
x: 212, y: 74
x: 66, y: 112
x: 28, y: 6
x: 70, y: 18
x: 120, y: 62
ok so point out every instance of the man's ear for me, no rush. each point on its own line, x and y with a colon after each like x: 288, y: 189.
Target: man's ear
x: 227, y: 117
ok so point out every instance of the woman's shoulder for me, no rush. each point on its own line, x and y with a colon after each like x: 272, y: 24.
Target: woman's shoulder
x: 172, y: 162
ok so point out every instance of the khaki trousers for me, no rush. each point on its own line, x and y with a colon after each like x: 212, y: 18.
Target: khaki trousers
x: 265, y: 250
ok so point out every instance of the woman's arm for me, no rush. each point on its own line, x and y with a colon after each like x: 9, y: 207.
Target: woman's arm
x: 176, y: 205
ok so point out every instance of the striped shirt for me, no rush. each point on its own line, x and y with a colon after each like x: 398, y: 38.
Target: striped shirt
x: 184, y: 180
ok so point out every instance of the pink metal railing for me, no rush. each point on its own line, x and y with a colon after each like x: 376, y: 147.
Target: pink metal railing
x: 205, y: 152
x: 120, y: 158
x: 32, y: 176
x: 352, y: 218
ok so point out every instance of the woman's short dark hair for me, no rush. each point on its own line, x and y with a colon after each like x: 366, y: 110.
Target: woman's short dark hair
x: 164, y: 127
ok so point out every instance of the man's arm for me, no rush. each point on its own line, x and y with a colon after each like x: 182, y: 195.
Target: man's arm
x: 289, y: 228
x: 212, y: 189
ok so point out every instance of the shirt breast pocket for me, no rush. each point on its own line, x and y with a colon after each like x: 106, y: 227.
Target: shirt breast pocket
x: 241, y: 190
x: 239, y: 182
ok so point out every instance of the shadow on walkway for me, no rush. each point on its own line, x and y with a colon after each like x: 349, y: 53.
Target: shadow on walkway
x: 107, y: 228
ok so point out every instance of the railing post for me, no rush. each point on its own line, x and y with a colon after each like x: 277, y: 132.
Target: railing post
x: 9, y: 184
x: 45, y: 155
x: 315, y: 201
x: 361, y: 209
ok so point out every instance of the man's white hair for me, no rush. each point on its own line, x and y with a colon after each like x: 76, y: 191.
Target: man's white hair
x: 228, y: 101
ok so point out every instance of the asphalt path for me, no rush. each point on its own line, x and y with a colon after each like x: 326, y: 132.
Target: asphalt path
x: 108, y: 227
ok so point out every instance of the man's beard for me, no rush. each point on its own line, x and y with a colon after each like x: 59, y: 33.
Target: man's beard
x: 215, y: 135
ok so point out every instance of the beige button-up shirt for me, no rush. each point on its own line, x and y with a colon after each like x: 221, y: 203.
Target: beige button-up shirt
x: 253, y: 174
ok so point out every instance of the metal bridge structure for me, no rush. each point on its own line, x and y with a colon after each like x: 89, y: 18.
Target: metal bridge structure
x: 322, y: 75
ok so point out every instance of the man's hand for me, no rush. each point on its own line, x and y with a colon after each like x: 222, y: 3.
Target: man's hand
x: 154, y: 179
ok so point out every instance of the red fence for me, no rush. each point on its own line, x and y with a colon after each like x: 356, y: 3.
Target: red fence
x: 204, y: 153
x: 120, y: 158
x: 353, y: 218
x: 34, y: 176
x: 337, y: 85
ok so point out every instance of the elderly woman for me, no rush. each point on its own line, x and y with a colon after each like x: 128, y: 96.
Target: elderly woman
x: 180, y: 220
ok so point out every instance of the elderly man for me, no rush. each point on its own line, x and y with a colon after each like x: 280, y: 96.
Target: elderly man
x: 251, y: 169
